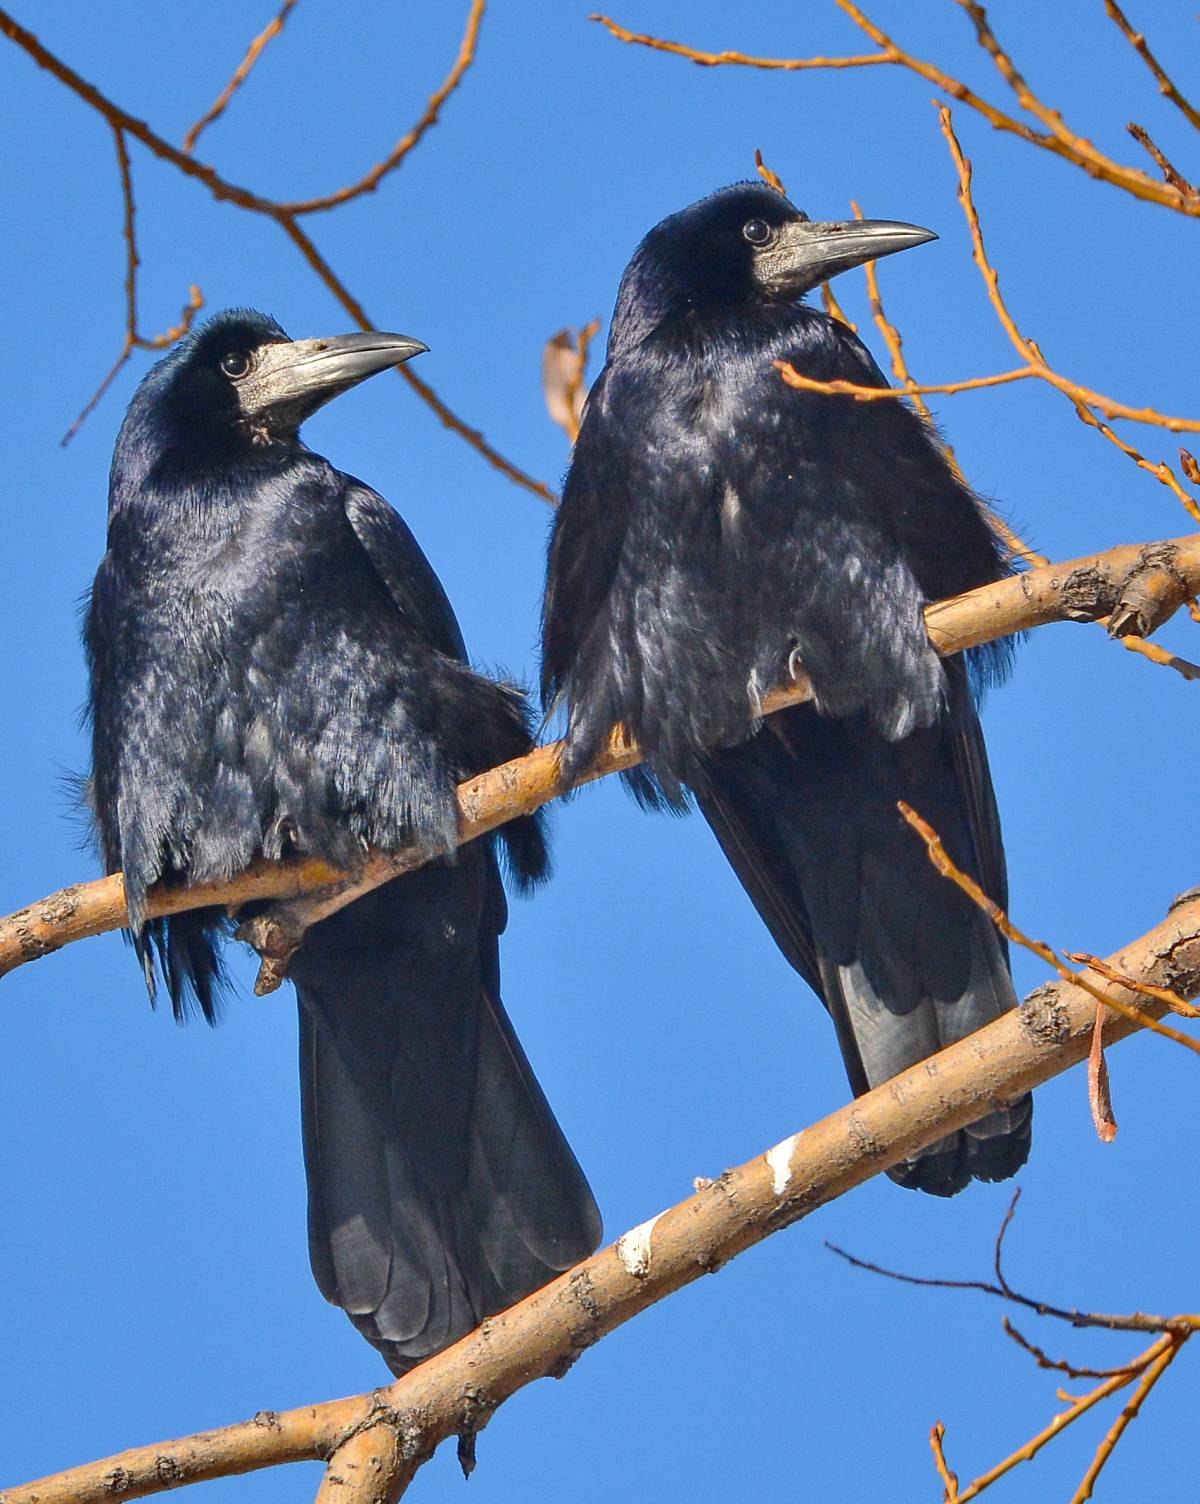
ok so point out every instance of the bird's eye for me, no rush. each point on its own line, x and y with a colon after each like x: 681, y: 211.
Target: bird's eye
x: 757, y: 231
x: 235, y: 364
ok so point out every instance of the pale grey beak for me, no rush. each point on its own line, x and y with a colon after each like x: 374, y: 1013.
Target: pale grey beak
x: 807, y: 252
x: 299, y: 376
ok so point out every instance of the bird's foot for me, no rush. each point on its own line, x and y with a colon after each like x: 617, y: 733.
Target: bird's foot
x: 276, y: 936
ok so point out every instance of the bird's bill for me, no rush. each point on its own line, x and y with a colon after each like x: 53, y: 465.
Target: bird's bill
x: 303, y: 374
x: 808, y: 252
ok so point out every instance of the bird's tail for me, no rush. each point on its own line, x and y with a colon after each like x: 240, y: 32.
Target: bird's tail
x: 805, y: 811
x: 441, y: 1189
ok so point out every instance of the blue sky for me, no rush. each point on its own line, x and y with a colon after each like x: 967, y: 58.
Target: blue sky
x: 152, y: 1249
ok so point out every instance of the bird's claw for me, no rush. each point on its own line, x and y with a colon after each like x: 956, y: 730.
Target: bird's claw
x: 276, y: 942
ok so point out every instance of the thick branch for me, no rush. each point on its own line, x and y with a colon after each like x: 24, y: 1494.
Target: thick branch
x: 1161, y: 574
x: 545, y: 1333
x: 368, y: 1468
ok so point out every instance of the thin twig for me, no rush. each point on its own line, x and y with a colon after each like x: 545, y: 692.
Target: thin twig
x: 1163, y: 995
x: 834, y: 309
x: 739, y: 59
x: 1161, y: 471
x: 771, y: 179
x: 1072, y: 1370
x: 1138, y: 42
x: 1137, y: 1321
x: 937, y: 1437
x: 133, y: 339
x: 1160, y: 159
x: 942, y: 861
x: 1170, y: 1346
x: 240, y: 75
x: 1059, y: 1424
x: 1035, y: 366
x: 370, y: 181
x: 900, y: 369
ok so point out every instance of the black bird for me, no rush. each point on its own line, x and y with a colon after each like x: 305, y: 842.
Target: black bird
x: 716, y: 529
x: 275, y: 669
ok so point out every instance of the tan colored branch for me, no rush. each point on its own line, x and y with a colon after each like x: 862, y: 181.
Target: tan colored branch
x: 370, y: 181
x: 544, y: 1334
x: 1083, y: 399
x: 841, y: 388
x: 1160, y: 159
x: 941, y: 860
x: 1151, y: 1361
x: 133, y: 338
x: 894, y: 341
x: 240, y: 75
x: 368, y: 1468
x: 1161, y: 1361
x: 740, y: 59
x: 1137, y: 41
x: 449, y: 419
x: 1078, y: 590
x: 1056, y: 139
x: 1035, y: 367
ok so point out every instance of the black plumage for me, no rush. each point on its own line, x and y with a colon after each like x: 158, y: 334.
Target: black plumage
x: 716, y: 528
x: 275, y: 669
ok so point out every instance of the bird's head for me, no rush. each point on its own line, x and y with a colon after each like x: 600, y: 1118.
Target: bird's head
x: 745, y: 245
x: 238, y: 384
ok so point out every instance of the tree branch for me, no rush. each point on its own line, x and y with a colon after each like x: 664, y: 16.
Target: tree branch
x: 1035, y: 368
x: 1137, y: 41
x: 368, y: 1468
x: 1056, y: 139
x: 371, y: 180
x: 240, y: 74
x: 544, y: 1334
x: 123, y: 124
x: 1156, y: 577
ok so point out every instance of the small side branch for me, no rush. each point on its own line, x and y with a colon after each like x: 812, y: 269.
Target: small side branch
x: 741, y: 59
x: 368, y: 1468
x: 241, y: 74
x: 1137, y: 41
x: 1035, y: 366
x: 370, y: 181
x: 1162, y: 1355
x: 133, y: 339
x: 1160, y: 159
x: 966, y: 884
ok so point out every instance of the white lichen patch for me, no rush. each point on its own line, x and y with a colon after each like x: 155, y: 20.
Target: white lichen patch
x: 633, y: 1249
x: 779, y: 1162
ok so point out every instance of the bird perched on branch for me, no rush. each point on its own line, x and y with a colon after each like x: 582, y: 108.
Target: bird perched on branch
x: 717, y: 529
x: 275, y: 669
